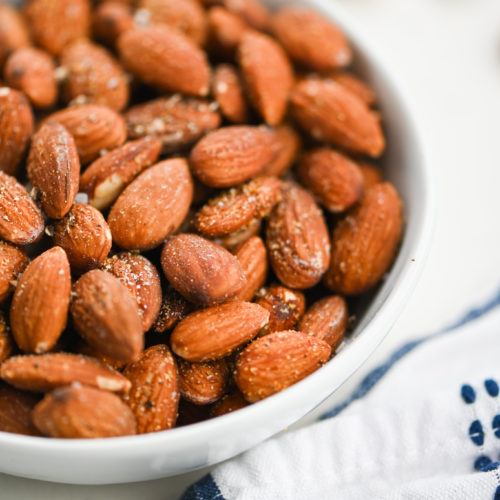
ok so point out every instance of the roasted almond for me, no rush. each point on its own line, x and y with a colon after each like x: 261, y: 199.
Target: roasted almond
x: 253, y: 12
x: 54, y: 168
x: 229, y: 93
x: 153, y: 206
x: 13, y: 262
x: 274, y: 362
x: 174, y: 308
x: 371, y: 175
x: 6, y: 342
x: 13, y: 32
x: 107, y: 316
x: 358, y: 87
x: 252, y: 256
x: 217, y: 331
x: 234, y: 240
x: 83, y: 347
x: 154, y: 397
x: 225, y: 31
x: 110, y: 20
x: 15, y: 411
x: 364, y: 243
x: 203, y: 272
x: 40, y: 305
x: 228, y: 404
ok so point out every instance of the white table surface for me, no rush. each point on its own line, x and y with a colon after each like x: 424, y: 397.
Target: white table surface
x: 447, y: 53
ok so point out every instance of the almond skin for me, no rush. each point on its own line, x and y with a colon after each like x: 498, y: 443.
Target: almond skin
x: 40, y: 305
x: 297, y: 239
x: 267, y: 73
x: 225, y: 31
x: 330, y: 113
x: 286, y: 145
x: 234, y: 240
x: 45, y: 372
x: 54, y: 168
x: 273, y: 363
x: 166, y: 59
x: 77, y: 411
x: 13, y: 32
x: 85, y: 236
x: 110, y: 20
x: 253, y: 12
x: 365, y: 242
x: 174, y: 308
x: 106, y: 316
x: 371, y: 175
x: 200, y: 270
x: 14, y: 261
x: 332, y: 177
x: 106, y: 177
x: 252, y: 256
x: 228, y: 404
x: 154, y: 397
x: 15, y: 411
x: 217, y: 331
x: 229, y: 93
x: 153, y: 206
x: 358, y: 87
x: 310, y: 39
x: 231, y: 155
x: 6, y: 342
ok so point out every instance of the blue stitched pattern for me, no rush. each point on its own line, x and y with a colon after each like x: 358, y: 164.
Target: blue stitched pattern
x: 495, y: 425
x: 468, y: 394
x: 497, y: 494
x: 476, y: 433
x: 204, y: 489
x: 491, y: 387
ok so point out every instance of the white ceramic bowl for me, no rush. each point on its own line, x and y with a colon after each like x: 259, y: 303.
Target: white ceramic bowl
x: 137, y: 458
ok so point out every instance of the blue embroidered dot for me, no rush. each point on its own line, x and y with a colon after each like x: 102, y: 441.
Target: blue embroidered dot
x: 476, y: 433
x: 468, y: 394
x: 497, y: 494
x: 482, y: 462
x: 491, y: 387
x: 495, y: 425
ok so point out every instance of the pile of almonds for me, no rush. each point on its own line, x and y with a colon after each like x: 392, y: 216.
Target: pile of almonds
x: 186, y: 201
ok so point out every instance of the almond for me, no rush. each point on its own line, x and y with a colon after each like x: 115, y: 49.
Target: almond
x: 153, y: 206
x: 253, y: 12
x: 40, y: 305
x: 231, y: 155
x: 217, y: 331
x: 327, y: 320
x: 358, y: 87
x: 176, y: 120
x: 83, y: 412
x: 226, y: 30
x: 142, y: 280
x: 311, y: 39
x: 286, y: 145
x: 252, y: 256
x: 54, y: 168
x: 106, y: 177
x: 229, y: 93
x: 84, y: 235
x: 297, y: 239
x: 365, y: 242
x: 154, y: 397
x: 16, y: 128
x: 166, y: 59
x: 32, y: 71
x: 15, y: 411
x: 6, y: 342
x: 56, y: 23
x: 330, y: 113
x: 234, y: 240
x: 110, y: 20
x: 332, y: 177
x: 82, y: 347
x: 238, y: 207
x: 106, y: 316
x: 94, y: 128
x: 200, y: 270
x: 45, y: 372
x: 174, y: 308
x: 228, y: 404
x: 371, y: 175
x: 203, y: 383
x: 267, y: 73
x: 274, y: 362
x: 13, y: 262
x: 13, y: 32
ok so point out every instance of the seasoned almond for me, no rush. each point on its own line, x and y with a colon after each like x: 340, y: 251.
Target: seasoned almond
x: 174, y: 308
x: 200, y: 270
x: 234, y: 240
x: 110, y: 20
x: 15, y: 411
x: 153, y: 206
x: 253, y: 12
x: 84, y: 235
x: 40, y: 305
x: 225, y: 30
x: 107, y: 316
x: 77, y: 411
x: 297, y: 239
x: 229, y: 93
x: 231, y: 155
x: 371, y: 175
x: 106, y: 177
x: 253, y: 259
x: 6, y: 342
x: 215, y: 332
x: 365, y: 242
x: 45, y: 372
x: 228, y: 404
x: 154, y: 397
x: 13, y: 32
x: 274, y: 362
x: 54, y: 168
x: 358, y: 87
x: 13, y: 262
x: 286, y: 145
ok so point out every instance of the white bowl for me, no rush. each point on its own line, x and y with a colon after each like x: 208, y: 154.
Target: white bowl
x: 151, y: 456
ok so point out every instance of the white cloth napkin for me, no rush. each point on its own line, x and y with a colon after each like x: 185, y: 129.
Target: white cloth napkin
x: 426, y: 425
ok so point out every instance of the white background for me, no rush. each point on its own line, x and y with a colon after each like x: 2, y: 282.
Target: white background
x: 447, y: 55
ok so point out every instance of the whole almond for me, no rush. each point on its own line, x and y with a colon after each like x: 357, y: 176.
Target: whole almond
x: 267, y: 73
x: 225, y: 31
x: 6, y: 341
x: 14, y: 261
x: 231, y: 155
x: 274, y: 362
x: 54, y: 168
x: 286, y: 145
x: 215, y: 332
x: 84, y: 235
x: 45, y: 372
x: 311, y: 39
x: 13, y: 32
x: 110, y: 19
x: 32, y: 71
x: 330, y: 113
x: 15, y: 411
x: 253, y: 12
x: 252, y: 256
x: 358, y: 87
x: 229, y: 93
x: 40, y: 305
x: 106, y: 177
x: 107, y: 316
x: 371, y: 175
x: 364, y: 243
x: 174, y: 308
x: 297, y: 239
x: 203, y: 272
x: 154, y: 397
x: 166, y: 59
x: 228, y: 404
x: 77, y: 411
x: 153, y: 206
